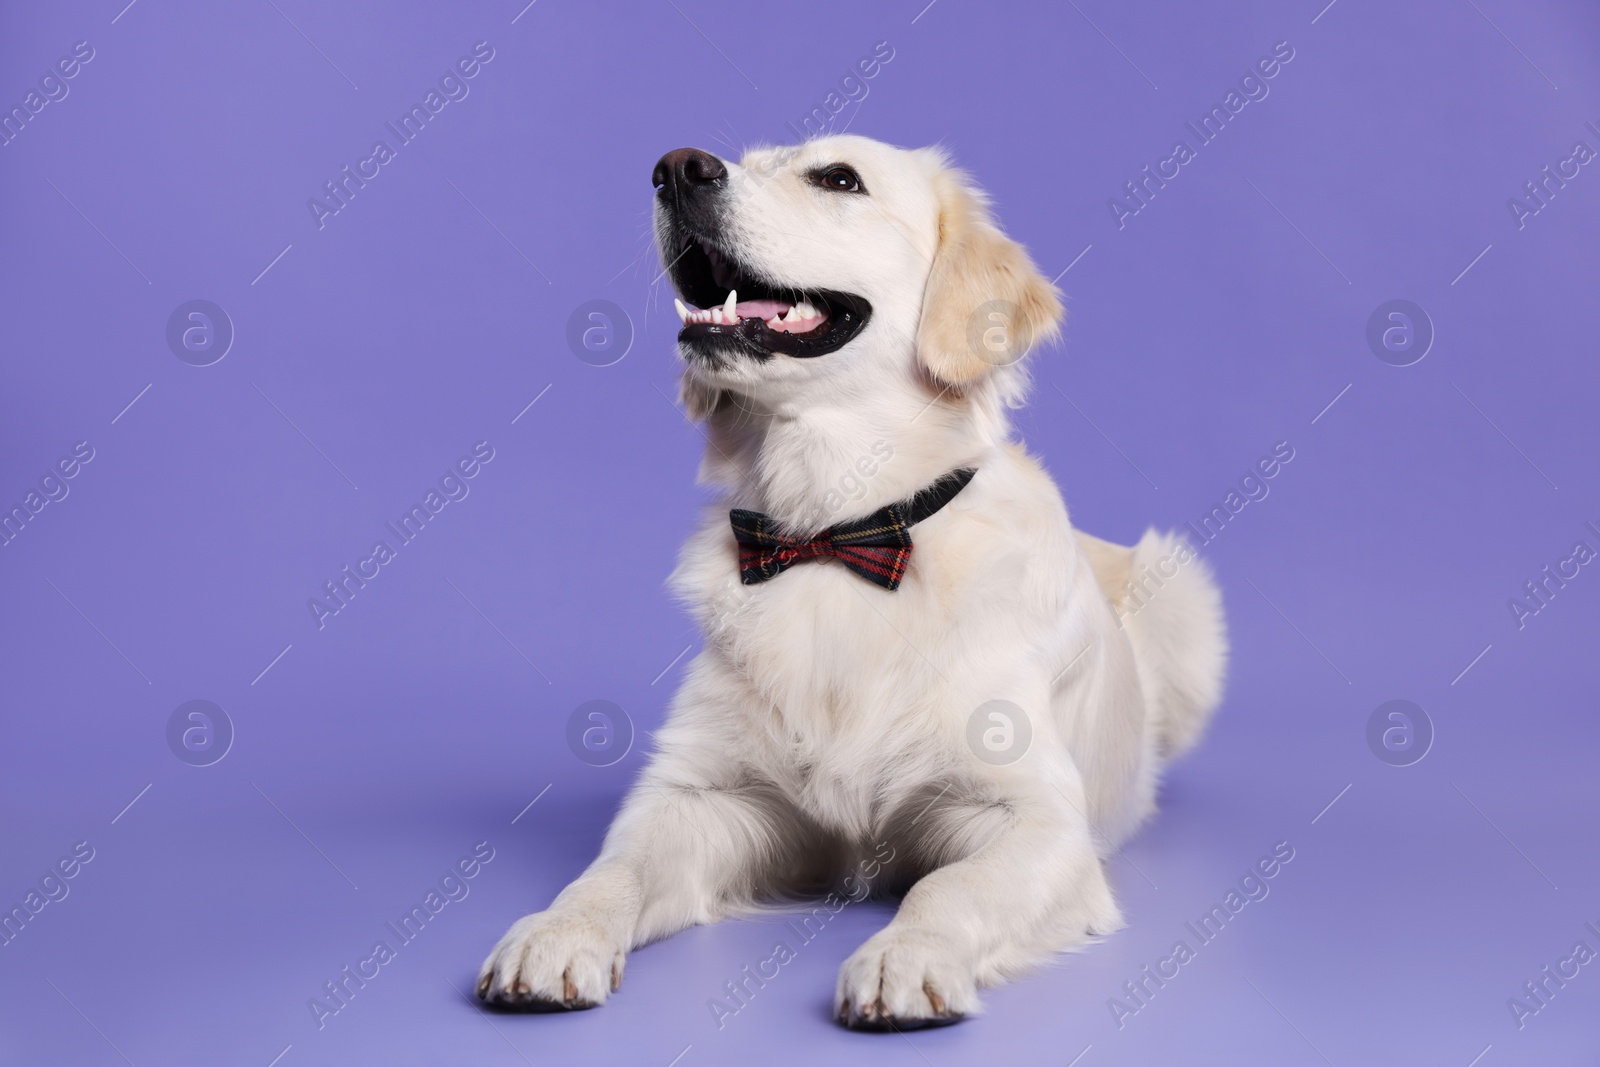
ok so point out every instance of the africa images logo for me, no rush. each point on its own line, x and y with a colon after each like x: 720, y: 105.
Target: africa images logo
x: 339, y: 591
x: 1253, y: 87
x: 453, y: 88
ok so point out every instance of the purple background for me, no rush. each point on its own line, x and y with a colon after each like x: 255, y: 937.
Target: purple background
x: 1224, y: 317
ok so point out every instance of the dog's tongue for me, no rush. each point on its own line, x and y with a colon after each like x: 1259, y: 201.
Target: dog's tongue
x: 760, y: 309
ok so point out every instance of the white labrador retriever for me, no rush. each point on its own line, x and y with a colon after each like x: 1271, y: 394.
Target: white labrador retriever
x: 917, y: 677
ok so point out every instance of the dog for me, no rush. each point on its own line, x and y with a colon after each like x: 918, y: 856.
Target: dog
x: 917, y: 677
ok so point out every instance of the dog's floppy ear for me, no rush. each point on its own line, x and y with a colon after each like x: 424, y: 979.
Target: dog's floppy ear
x: 985, y: 304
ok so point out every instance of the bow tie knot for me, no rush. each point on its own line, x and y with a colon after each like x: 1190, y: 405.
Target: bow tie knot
x: 877, y: 546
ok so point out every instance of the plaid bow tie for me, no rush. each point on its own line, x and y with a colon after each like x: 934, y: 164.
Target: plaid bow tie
x: 875, y: 547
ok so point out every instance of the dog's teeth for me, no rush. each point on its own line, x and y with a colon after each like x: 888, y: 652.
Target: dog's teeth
x: 773, y: 322
x: 807, y: 311
x: 716, y: 315
x: 793, y: 314
x: 683, y: 311
x: 730, y: 307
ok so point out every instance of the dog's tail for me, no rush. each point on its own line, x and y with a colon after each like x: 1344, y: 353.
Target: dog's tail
x: 1166, y: 600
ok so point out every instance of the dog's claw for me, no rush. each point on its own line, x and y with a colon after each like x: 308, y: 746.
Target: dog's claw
x: 551, y: 962
x: 899, y: 981
x: 875, y: 1018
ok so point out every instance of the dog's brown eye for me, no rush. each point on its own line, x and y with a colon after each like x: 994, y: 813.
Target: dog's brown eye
x: 840, y: 180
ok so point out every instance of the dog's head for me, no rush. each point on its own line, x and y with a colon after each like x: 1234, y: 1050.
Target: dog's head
x: 841, y: 260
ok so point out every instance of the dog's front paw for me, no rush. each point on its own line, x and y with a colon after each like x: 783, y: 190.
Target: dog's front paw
x: 904, y: 980
x: 552, y: 962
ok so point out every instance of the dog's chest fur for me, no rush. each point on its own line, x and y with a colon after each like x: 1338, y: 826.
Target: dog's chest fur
x: 854, y: 689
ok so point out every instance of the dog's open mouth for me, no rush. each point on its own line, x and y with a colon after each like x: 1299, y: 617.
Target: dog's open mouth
x: 731, y: 308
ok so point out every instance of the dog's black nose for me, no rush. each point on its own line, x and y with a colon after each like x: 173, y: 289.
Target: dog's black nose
x: 686, y: 168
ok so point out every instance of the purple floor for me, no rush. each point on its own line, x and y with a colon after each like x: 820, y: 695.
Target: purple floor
x: 1444, y: 866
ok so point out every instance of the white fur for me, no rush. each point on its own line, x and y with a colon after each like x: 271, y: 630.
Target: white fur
x: 824, y: 711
